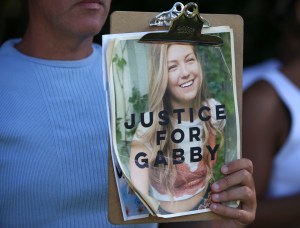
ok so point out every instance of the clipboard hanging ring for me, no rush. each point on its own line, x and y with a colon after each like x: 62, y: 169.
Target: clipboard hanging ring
x: 194, y: 7
x: 195, y: 11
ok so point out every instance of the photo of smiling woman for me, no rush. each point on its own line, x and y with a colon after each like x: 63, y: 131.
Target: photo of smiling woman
x: 171, y: 160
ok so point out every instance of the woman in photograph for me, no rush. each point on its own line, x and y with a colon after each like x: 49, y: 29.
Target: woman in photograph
x: 177, y: 87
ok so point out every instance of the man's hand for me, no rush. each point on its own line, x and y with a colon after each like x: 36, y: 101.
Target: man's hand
x: 237, y: 185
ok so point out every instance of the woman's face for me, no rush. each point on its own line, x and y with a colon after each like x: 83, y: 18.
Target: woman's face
x: 184, y: 75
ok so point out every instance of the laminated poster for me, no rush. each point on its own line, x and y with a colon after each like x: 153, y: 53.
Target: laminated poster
x: 173, y: 121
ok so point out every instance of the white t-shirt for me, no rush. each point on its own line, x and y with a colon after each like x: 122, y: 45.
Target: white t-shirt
x: 285, y: 166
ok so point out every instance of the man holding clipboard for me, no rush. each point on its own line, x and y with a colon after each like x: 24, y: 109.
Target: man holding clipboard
x: 54, y: 128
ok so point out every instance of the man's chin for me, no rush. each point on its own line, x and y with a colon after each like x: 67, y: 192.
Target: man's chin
x: 89, y: 29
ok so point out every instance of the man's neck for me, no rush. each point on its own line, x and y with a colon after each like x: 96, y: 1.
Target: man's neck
x: 39, y: 44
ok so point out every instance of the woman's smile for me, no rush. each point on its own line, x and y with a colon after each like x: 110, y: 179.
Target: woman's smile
x: 187, y: 84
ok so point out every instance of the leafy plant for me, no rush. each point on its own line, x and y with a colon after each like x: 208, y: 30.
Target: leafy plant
x: 139, y: 104
x: 119, y: 61
x: 138, y: 101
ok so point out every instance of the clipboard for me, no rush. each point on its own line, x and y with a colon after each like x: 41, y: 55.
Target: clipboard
x: 128, y: 21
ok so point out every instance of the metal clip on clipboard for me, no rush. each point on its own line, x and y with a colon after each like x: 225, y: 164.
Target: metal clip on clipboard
x: 165, y: 18
x: 184, y: 28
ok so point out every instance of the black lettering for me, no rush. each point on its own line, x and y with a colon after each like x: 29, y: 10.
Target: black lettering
x: 180, y: 138
x: 160, y: 159
x: 160, y: 135
x: 178, y: 156
x: 130, y: 126
x: 220, y: 112
x: 201, y: 110
x: 191, y: 115
x: 164, y: 117
x: 194, y: 134
x: 213, y: 151
x: 196, y: 154
x: 144, y: 160
x: 178, y: 112
x: 150, y: 119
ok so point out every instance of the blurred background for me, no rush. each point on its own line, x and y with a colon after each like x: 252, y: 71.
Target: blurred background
x: 260, y: 25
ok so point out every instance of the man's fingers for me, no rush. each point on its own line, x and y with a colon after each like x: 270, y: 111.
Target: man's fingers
x: 243, y: 193
x: 242, y: 217
x: 237, y: 165
x: 241, y: 177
